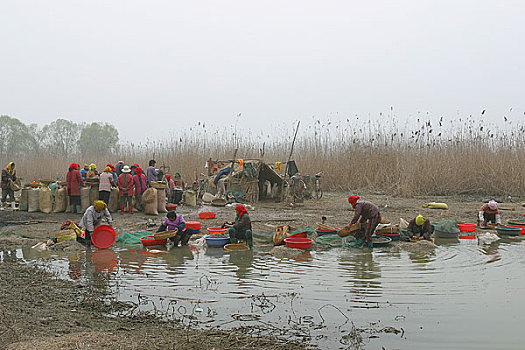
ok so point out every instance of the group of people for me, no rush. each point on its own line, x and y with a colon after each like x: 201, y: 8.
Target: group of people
x: 130, y: 180
x: 369, y: 215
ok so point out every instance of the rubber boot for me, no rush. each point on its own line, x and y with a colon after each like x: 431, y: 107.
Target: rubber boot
x: 121, y: 209
x: 72, y: 208
x: 357, y: 244
x: 13, y: 205
x: 370, y: 245
x: 130, y: 209
x: 79, y: 210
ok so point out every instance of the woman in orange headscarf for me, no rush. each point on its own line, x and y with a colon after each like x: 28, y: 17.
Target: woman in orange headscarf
x: 241, y: 228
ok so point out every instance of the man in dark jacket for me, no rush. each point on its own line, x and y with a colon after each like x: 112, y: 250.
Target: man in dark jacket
x: 241, y: 228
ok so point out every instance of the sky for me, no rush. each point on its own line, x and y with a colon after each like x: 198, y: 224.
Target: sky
x: 141, y: 64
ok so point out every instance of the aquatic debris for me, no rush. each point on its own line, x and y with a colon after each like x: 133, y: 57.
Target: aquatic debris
x: 488, y: 238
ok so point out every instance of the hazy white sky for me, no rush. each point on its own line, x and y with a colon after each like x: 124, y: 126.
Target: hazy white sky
x: 130, y: 62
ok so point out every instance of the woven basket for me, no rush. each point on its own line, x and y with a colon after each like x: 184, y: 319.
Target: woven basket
x: 159, y: 185
x: 165, y: 234
x: 324, y: 227
x: 348, y: 231
x: 236, y: 247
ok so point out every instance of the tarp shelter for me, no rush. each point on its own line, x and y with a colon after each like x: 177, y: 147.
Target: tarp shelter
x: 250, y: 181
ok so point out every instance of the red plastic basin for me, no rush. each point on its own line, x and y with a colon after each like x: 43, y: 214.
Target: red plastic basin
x: 171, y: 207
x: 213, y: 230
x: 298, y: 235
x: 298, y: 243
x: 207, y: 215
x: 194, y: 225
x: 150, y: 240
x: 104, y: 236
x: 467, y: 237
x: 467, y: 227
x: 522, y: 232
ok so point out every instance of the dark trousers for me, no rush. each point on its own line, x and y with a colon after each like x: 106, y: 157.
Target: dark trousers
x: 125, y: 199
x: 104, y: 196
x: 86, y: 240
x: 8, y: 192
x: 365, y: 234
x: 236, y: 235
x: 488, y: 218
x: 183, y: 236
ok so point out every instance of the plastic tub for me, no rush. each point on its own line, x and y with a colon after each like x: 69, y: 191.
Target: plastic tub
x: 194, y: 225
x: 236, y: 247
x: 508, y: 231
x: 298, y: 243
x: 392, y: 236
x: 443, y: 234
x: 467, y: 237
x: 171, y: 207
x: 207, y: 215
x: 327, y: 232
x: 216, y: 242
x: 519, y: 222
x: 214, y: 230
x: 150, y: 240
x: 467, y: 227
x: 103, y: 236
x: 522, y: 232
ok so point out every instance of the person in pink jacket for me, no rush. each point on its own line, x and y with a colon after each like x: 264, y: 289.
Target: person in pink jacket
x: 125, y: 187
x: 139, y: 180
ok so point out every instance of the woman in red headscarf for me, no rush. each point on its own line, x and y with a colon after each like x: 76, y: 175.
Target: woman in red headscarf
x: 369, y: 215
x: 74, y: 181
x: 139, y: 180
x: 241, y: 228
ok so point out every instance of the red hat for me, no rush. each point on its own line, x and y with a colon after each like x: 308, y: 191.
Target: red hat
x: 241, y: 209
x: 73, y: 166
x: 352, y: 199
x: 138, y: 170
x: 168, y: 176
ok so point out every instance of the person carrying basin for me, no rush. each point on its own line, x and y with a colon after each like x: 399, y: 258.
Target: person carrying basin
x: 419, y: 228
x: 175, y: 221
x: 241, y: 228
x: 369, y: 216
x: 92, y: 218
x: 489, y: 212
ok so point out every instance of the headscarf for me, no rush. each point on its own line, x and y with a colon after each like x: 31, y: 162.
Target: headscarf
x: 352, y: 199
x: 420, y: 220
x: 73, y: 166
x: 168, y: 176
x: 85, y: 165
x: 107, y: 170
x: 100, y: 205
x: 111, y: 166
x: 493, y: 205
x: 138, y: 171
x: 241, y: 209
x: 92, y: 166
x: 177, y: 173
x: 10, y: 169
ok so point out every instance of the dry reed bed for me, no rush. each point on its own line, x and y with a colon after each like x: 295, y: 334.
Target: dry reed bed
x: 462, y: 156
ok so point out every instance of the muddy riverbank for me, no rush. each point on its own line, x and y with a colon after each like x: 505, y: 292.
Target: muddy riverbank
x: 44, y: 310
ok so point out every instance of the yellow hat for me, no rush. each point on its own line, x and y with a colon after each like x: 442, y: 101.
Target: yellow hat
x: 100, y: 205
x: 92, y: 166
x: 107, y: 169
x: 420, y: 220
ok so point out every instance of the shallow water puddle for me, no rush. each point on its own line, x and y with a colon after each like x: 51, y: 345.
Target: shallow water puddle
x: 451, y: 297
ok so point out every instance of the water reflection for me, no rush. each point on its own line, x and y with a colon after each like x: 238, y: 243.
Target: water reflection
x: 363, y: 271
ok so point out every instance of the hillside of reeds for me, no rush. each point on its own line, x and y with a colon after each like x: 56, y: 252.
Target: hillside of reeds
x: 429, y: 156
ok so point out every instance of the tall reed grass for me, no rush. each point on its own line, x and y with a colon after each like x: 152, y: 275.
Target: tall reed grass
x: 430, y: 156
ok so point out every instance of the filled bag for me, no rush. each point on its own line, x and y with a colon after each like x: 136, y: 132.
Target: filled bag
x: 24, y: 198
x: 113, y: 205
x: 93, y: 194
x: 45, y: 200
x: 84, y: 198
x: 161, y: 201
x: 33, y: 201
x: 151, y: 207
x: 60, y: 200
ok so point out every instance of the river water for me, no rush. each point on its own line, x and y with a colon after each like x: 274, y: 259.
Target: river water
x: 461, y: 295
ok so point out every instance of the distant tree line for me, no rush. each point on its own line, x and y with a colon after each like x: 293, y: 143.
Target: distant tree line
x: 61, y: 138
